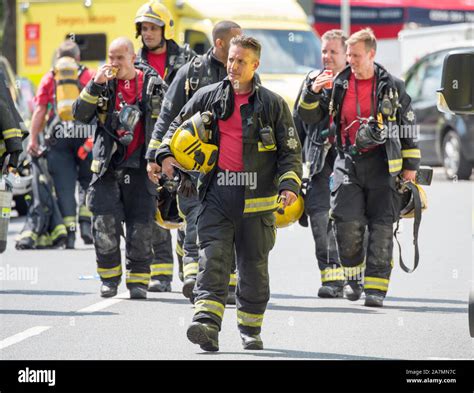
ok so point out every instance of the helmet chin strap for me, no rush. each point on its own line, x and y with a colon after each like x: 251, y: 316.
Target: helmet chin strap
x: 159, y: 46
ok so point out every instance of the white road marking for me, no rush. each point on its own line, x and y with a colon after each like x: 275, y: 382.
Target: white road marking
x: 104, y: 304
x: 23, y: 336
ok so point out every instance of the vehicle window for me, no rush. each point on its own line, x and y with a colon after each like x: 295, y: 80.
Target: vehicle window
x: 197, y: 40
x: 432, y: 79
x: 297, y: 52
x: 93, y: 46
x: 415, y: 81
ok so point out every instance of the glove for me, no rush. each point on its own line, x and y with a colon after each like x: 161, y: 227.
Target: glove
x: 13, y: 160
x: 186, y: 186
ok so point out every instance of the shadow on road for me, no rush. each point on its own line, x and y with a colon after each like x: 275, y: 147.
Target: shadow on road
x: 419, y: 300
x: 51, y: 313
x: 443, y: 310
x: 173, y: 301
x: 291, y: 354
x: 287, y: 296
x: 43, y: 293
x: 322, y: 309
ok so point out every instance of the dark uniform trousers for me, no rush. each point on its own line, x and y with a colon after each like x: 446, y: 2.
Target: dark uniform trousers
x: 221, y: 227
x: 317, y: 205
x: 122, y: 195
x: 364, y: 194
x: 162, y: 264
x: 66, y: 169
x: 189, y: 208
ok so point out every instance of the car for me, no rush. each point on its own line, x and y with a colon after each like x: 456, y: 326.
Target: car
x: 445, y: 139
x: 22, y: 92
x: 456, y: 96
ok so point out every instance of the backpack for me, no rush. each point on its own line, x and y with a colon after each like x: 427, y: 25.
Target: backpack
x: 67, y: 86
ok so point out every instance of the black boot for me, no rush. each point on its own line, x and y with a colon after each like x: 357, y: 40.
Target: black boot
x: 330, y: 291
x: 86, y: 232
x: 352, y: 290
x: 109, y: 288
x: 188, y: 287
x: 159, y: 286
x: 71, y: 240
x: 138, y: 292
x: 251, y: 341
x: 206, y: 335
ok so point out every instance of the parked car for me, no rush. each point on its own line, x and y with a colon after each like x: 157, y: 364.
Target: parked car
x: 444, y: 139
x: 459, y: 99
x: 22, y: 92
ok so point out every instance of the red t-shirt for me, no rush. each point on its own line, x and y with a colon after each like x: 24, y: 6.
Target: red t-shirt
x: 45, y: 92
x: 158, y: 62
x: 129, y: 91
x: 349, y: 110
x: 230, y: 144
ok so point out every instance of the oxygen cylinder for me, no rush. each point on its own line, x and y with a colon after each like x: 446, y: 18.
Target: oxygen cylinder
x: 6, y: 196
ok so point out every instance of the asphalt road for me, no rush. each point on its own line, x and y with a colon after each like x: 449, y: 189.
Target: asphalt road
x: 50, y: 307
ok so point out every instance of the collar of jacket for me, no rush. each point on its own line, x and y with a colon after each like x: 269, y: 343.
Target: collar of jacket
x: 172, y: 48
x: 223, y: 105
x: 383, y: 79
x: 210, y: 55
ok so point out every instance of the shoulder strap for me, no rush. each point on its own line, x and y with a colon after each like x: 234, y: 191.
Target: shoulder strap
x: 194, y: 75
x: 416, y: 228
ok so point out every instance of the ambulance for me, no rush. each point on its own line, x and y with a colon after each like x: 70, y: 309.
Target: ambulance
x: 290, y: 48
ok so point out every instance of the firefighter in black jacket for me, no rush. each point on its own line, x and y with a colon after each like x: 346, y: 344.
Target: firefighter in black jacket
x: 375, y: 135
x: 255, y: 134
x: 120, y: 98
x: 155, y: 25
x: 318, y: 155
x: 200, y: 71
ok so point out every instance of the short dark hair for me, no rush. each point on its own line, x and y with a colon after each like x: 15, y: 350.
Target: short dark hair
x: 223, y: 28
x: 68, y: 49
x: 247, y: 42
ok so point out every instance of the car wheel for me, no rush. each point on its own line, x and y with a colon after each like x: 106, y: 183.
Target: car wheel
x: 471, y: 313
x: 454, y: 162
x: 20, y: 205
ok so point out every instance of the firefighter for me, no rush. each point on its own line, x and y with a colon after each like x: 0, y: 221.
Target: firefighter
x: 256, y: 137
x: 65, y: 137
x: 155, y: 25
x: 318, y: 155
x: 203, y: 71
x: 369, y: 107
x: 119, y: 98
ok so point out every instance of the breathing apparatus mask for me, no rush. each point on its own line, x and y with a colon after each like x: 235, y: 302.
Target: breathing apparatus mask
x: 371, y: 133
x: 128, y: 118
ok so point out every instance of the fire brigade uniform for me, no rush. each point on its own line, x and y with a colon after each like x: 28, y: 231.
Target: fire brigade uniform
x: 10, y: 126
x: 175, y: 57
x: 199, y: 72
x: 240, y: 215
x: 318, y: 157
x: 64, y: 164
x: 363, y: 190
x: 120, y: 189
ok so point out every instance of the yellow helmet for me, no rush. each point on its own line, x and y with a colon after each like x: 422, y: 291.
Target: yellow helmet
x: 189, y: 146
x: 408, y: 199
x: 290, y: 214
x: 155, y: 12
x: 167, y: 213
